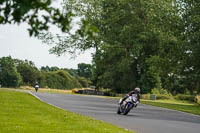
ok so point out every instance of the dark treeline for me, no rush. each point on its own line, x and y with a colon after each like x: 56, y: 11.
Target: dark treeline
x: 15, y: 72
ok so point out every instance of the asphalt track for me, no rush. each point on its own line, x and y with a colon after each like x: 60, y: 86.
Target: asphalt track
x: 143, y: 119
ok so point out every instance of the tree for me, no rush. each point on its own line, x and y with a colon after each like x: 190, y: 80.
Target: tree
x: 45, y: 69
x: 72, y: 72
x: 137, y: 42
x: 61, y: 80
x: 9, y: 77
x: 132, y: 33
x: 39, y: 14
x: 84, y: 82
x: 84, y: 70
x: 54, y: 68
x: 191, y: 16
x: 28, y: 71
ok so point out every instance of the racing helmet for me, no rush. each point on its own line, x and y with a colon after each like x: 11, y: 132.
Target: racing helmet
x: 137, y: 89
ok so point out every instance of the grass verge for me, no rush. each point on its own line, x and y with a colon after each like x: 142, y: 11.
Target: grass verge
x: 22, y: 113
x: 48, y: 90
x: 183, y: 106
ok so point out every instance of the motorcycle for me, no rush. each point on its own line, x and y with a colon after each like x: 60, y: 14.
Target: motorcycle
x: 128, y: 104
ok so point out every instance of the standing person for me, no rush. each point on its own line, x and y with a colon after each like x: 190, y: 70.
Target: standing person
x: 36, y: 86
x: 135, y: 91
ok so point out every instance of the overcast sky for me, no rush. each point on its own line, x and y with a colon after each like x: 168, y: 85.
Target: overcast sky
x: 16, y: 42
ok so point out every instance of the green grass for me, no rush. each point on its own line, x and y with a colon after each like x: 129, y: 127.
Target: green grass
x: 183, y: 106
x: 22, y: 113
x: 46, y: 90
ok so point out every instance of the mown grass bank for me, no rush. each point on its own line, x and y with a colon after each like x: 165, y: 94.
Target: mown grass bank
x: 183, y: 106
x: 22, y: 113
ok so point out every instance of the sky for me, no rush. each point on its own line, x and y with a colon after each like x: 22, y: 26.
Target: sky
x: 16, y: 42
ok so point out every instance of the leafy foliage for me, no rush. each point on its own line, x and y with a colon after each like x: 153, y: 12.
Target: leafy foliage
x: 28, y: 71
x: 150, y: 44
x: 191, y: 65
x: 84, y: 82
x: 61, y: 80
x: 197, y: 99
x: 14, y: 72
x: 138, y: 43
x: 84, y: 70
x: 190, y: 98
x: 8, y: 73
x: 39, y: 14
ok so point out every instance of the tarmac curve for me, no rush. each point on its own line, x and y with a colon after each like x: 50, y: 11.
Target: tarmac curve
x: 143, y: 119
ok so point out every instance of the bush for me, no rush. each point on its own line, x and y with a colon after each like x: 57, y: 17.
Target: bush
x: 9, y: 77
x: 145, y: 96
x: 185, y: 97
x: 155, y: 91
x: 163, y: 97
x: 158, y: 97
x: 197, y: 99
x: 84, y: 82
x: 61, y: 80
x: 112, y: 94
x: 161, y: 94
x: 160, y: 91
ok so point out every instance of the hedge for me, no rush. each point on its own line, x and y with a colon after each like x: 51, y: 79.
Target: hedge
x: 197, y: 99
x: 190, y: 98
x: 163, y: 97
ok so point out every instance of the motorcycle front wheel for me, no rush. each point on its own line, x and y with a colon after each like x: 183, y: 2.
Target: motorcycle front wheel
x: 127, y: 110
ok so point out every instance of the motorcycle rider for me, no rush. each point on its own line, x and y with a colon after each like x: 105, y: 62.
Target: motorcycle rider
x: 36, y: 86
x: 135, y: 91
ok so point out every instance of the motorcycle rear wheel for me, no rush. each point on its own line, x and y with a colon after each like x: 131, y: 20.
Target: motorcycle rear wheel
x: 118, y: 110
